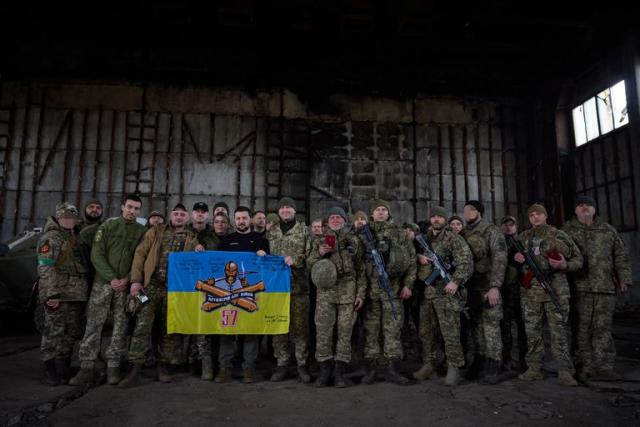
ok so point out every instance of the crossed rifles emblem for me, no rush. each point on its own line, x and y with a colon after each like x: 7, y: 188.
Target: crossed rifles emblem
x: 232, y: 289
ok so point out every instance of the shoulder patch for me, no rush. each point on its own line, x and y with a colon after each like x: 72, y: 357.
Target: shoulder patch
x: 44, y: 248
x: 98, y: 235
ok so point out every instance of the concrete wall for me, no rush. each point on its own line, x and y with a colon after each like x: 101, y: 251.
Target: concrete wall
x: 76, y: 141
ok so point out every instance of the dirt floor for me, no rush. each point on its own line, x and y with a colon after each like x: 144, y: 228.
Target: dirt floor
x: 25, y: 401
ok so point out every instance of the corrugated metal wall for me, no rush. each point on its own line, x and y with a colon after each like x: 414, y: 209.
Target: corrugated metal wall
x: 70, y: 144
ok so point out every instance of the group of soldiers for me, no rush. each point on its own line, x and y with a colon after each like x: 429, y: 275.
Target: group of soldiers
x: 471, y: 279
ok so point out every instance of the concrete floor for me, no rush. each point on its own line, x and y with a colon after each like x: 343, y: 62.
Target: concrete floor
x: 25, y: 401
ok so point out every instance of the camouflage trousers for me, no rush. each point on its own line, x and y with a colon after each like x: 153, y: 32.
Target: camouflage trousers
x: 326, y: 316
x: 298, y: 333
x: 533, y: 313
x: 485, y: 326
x: 104, y: 300
x: 594, y: 321
x: 442, y: 313
x: 62, y: 328
x: 378, y: 317
x: 205, y: 346
x: 169, y: 346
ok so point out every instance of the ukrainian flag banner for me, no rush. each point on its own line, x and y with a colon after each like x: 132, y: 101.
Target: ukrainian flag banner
x: 229, y: 293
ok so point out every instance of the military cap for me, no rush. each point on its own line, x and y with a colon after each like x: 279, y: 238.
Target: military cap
x: 508, y: 218
x: 324, y: 274
x: 439, y: 211
x: 360, y: 215
x: 66, y: 210
x: 155, y: 213
x: 273, y: 217
x: 586, y: 200
x: 93, y: 202
x: 379, y: 202
x: 201, y: 206
x: 477, y: 205
x: 411, y: 226
x: 455, y: 217
x: 179, y: 206
x: 537, y: 207
x: 287, y: 201
x: 337, y: 210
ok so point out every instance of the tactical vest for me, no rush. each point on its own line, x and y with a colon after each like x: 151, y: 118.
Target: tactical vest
x: 478, y: 242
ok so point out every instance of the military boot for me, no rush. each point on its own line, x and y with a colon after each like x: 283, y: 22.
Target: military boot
x: 207, y: 369
x: 63, y: 365
x: 133, y: 377
x: 340, y: 379
x: 303, y: 374
x: 224, y: 376
x: 370, y: 372
x: 249, y: 375
x: 392, y: 374
x: 163, y: 373
x: 565, y: 378
x: 114, y: 375
x: 582, y: 374
x: 491, y: 372
x: 325, y: 374
x: 453, y: 376
x: 280, y: 374
x: 475, y: 370
x: 50, y: 374
x: 425, y: 372
x: 532, y: 374
x: 83, y: 377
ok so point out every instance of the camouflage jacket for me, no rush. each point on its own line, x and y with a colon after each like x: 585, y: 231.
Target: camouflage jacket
x: 454, y: 251
x: 148, y: 254
x: 113, y: 247
x: 390, y: 239
x: 207, y: 237
x: 348, y: 259
x: 489, y: 251
x: 538, y: 241
x: 61, y: 268
x: 604, y: 256
x: 295, y: 243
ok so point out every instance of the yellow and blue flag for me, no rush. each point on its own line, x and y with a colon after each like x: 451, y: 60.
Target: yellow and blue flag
x: 231, y: 293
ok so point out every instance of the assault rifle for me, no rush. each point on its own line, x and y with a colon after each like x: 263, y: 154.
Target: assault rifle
x: 541, y: 276
x: 440, y: 269
x: 383, y: 276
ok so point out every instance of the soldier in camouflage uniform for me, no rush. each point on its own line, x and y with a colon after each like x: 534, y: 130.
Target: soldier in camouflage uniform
x: 440, y: 307
x: 605, y: 263
x: 92, y: 214
x: 88, y: 230
x: 340, y: 293
x: 399, y: 256
x: 62, y: 290
x: 291, y: 240
x: 511, y: 303
x: 555, y: 252
x: 149, y: 276
x: 111, y: 255
x: 271, y: 221
x: 359, y: 219
x: 155, y: 218
x: 490, y: 262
